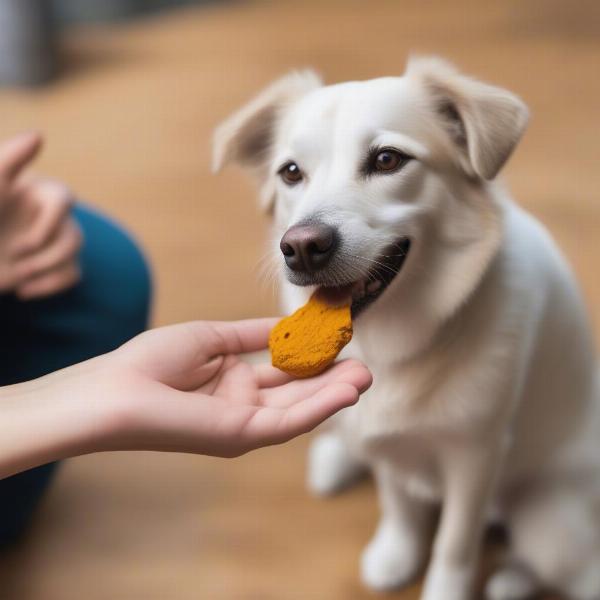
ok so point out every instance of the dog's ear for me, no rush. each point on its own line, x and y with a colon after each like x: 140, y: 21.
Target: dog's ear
x: 246, y: 136
x: 484, y: 121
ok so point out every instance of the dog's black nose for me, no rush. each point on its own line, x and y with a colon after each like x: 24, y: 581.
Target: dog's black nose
x: 308, y: 247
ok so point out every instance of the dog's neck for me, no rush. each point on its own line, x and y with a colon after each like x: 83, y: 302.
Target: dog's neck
x: 441, y: 277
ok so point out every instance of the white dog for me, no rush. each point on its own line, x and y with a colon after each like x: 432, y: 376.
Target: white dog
x: 486, y: 394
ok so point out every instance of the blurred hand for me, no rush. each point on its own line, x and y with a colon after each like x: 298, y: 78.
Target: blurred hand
x: 39, y: 240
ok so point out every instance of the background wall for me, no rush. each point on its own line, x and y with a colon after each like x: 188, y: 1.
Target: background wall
x: 128, y: 126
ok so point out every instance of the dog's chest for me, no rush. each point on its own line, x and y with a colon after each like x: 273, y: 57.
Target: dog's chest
x: 414, y: 464
x: 389, y: 426
x: 409, y: 399
x: 411, y: 456
x: 401, y: 419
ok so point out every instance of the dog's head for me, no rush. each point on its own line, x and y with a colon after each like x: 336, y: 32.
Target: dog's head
x: 380, y: 184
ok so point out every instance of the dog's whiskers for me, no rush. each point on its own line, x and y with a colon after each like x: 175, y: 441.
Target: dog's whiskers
x: 267, y: 271
x: 375, y: 262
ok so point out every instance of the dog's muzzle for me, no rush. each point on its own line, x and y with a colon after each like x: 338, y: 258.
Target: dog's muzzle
x: 309, y: 249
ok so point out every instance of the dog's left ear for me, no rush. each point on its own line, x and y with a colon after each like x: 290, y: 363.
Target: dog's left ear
x: 484, y: 121
x: 246, y: 137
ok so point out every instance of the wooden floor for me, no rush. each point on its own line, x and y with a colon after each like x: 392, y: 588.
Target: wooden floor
x: 129, y: 127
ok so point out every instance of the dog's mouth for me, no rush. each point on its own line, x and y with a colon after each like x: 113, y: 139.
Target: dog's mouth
x: 368, y: 289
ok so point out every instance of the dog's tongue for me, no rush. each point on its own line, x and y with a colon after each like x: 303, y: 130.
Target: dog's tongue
x: 338, y: 295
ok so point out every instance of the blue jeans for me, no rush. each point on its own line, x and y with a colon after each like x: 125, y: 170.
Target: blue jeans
x: 108, y: 306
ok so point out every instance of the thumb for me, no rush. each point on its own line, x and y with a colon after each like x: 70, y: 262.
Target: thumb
x: 16, y: 153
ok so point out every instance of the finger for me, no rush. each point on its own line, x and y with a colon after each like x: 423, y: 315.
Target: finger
x: 349, y: 371
x: 268, y: 376
x: 60, y: 250
x: 232, y: 337
x: 17, y: 152
x: 54, y: 201
x: 50, y: 283
x: 202, y: 377
x: 275, y: 426
x: 166, y: 353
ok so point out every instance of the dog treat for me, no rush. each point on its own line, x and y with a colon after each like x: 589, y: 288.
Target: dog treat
x: 307, y: 342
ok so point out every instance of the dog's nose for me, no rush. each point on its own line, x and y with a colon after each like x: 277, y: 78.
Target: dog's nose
x: 309, y: 247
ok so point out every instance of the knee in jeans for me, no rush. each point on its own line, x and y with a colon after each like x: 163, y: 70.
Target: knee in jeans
x: 116, y: 281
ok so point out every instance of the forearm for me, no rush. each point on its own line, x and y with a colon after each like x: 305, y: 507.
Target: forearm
x: 182, y: 388
x: 50, y: 418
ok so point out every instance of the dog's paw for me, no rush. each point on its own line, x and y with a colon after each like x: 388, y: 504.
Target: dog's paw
x: 330, y: 466
x: 392, y: 559
x: 511, y: 583
x: 448, y: 582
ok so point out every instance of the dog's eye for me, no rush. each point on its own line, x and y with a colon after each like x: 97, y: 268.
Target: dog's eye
x: 290, y: 173
x: 387, y: 161
x: 384, y: 161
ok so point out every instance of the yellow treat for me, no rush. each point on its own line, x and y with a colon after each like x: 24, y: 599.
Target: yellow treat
x: 307, y: 342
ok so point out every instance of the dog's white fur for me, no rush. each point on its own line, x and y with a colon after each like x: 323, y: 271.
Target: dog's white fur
x: 486, y: 394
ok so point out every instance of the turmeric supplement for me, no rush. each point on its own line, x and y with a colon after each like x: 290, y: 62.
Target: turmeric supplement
x: 307, y: 342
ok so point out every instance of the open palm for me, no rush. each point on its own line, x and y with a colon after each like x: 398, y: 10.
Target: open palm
x: 187, y: 389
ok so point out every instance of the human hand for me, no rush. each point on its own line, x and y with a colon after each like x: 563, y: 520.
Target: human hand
x: 182, y: 388
x: 39, y: 240
x: 185, y: 388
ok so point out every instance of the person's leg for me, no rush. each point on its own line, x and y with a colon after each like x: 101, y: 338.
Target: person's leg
x: 109, y: 306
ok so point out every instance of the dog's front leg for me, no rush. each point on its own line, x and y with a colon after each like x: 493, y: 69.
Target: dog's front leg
x: 331, y: 466
x: 398, y: 549
x: 469, y: 473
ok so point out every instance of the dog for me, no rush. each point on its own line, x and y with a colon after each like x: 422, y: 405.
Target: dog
x: 486, y: 394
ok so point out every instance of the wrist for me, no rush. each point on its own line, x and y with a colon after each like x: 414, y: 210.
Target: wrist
x: 53, y: 417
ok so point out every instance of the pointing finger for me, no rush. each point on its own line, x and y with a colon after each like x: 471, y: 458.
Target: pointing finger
x: 54, y: 201
x: 61, y: 249
x: 50, y: 283
x: 18, y: 152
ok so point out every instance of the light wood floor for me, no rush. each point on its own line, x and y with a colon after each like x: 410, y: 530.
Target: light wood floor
x: 129, y: 128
